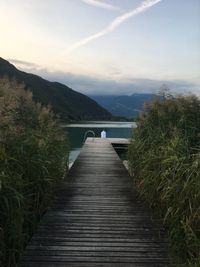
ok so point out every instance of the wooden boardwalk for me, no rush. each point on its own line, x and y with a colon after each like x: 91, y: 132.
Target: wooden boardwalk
x: 97, y: 220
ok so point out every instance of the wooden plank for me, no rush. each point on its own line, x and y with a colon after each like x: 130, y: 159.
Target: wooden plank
x: 97, y: 218
x: 96, y: 264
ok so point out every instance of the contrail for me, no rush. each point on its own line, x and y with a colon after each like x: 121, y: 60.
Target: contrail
x: 115, y: 24
x: 101, y: 4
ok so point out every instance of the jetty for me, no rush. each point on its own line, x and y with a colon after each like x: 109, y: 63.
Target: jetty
x: 97, y: 218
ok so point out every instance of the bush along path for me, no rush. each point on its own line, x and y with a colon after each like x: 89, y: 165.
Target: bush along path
x: 33, y: 159
x: 164, y: 159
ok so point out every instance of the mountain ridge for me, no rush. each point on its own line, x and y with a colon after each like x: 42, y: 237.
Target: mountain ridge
x: 124, y: 105
x: 68, y: 103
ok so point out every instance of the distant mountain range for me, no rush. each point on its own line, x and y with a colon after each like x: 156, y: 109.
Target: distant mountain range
x: 123, y: 105
x: 69, y: 104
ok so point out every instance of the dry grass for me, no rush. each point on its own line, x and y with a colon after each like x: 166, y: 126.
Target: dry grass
x: 164, y: 161
x: 33, y: 159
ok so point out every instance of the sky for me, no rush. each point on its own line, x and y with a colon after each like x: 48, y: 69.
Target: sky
x: 105, y: 46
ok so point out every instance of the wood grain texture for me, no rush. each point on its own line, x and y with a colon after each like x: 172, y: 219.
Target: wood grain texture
x: 97, y: 219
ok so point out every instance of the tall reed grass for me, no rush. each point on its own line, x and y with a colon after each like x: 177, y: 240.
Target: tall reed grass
x: 33, y: 159
x: 164, y: 159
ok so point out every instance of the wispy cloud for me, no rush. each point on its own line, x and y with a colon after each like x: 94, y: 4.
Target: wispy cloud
x: 23, y: 63
x: 115, y: 23
x: 101, y: 4
x: 99, y: 86
x: 91, y: 85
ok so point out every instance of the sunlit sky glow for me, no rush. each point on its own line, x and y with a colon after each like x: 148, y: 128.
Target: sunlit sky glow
x: 105, y: 46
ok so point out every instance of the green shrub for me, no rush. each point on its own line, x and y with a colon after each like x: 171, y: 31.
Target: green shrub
x: 164, y: 160
x: 33, y: 159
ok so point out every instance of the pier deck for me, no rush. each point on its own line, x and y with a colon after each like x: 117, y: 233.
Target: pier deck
x: 97, y: 219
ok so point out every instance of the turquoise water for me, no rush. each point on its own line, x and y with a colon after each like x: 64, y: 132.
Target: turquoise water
x: 78, y: 132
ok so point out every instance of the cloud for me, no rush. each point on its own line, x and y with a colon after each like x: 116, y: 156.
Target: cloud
x: 22, y: 63
x: 94, y: 86
x: 115, y: 24
x: 101, y: 4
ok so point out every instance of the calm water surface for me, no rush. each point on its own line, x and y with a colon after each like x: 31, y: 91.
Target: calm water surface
x: 78, y: 132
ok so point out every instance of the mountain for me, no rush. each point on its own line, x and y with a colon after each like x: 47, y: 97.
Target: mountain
x: 69, y: 104
x: 123, y: 105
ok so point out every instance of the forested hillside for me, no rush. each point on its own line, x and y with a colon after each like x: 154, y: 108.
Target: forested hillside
x: 69, y: 104
x: 123, y: 105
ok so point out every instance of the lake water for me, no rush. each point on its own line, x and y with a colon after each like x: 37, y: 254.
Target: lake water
x: 78, y: 132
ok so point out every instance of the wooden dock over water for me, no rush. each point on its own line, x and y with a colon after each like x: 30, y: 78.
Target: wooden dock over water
x: 97, y: 219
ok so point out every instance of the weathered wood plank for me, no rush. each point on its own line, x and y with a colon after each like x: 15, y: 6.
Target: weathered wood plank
x: 97, y: 219
x: 96, y: 264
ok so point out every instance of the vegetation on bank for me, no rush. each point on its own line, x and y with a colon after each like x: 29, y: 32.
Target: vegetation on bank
x: 164, y: 160
x: 33, y: 159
